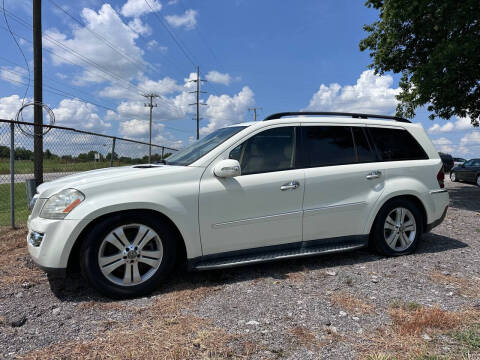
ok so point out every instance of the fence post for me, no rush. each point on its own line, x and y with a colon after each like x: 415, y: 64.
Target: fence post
x: 113, y: 151
x: 12, y: 174
x: 163, y: 150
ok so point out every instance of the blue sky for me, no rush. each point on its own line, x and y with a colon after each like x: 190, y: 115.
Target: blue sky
x: 277, y: 55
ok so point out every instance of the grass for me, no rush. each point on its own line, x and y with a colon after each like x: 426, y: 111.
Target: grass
x: 21, y: 208
x: 470, y: 337
x: 351, y: 303
x: 26, y: 166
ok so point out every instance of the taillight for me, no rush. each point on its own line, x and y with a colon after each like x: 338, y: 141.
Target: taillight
x: 441, y: 178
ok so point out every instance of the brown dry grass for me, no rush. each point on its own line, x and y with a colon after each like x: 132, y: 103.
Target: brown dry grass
x: 305, y: 338
x: 13, y: 257
x: 159, y: 331
x: 403, y: 338
x: 351, y: 303
x: 466, y: 287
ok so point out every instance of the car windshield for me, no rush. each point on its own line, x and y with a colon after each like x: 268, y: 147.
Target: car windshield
x: 195, y: 151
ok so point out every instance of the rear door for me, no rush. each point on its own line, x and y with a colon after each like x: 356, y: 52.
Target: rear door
x: 343, y: 180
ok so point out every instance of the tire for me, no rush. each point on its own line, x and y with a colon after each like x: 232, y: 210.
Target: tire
x: 402, y: 237
x: 123, y: 271
x: 477, y: 180
x: 453, y: 177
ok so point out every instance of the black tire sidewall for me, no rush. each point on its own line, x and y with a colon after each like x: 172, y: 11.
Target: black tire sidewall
x: 91, y: 245
x: 378, y: 230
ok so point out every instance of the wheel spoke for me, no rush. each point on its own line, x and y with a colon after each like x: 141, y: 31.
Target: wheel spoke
x: 157, y: 254
x: 398, y: 216
x: 121, y: 236
x: 409, y: 226
x: 127, y: 277
x: 389, y: 226
x: 142, y: 232
x: 402, y: 216
x: 146, y: 240
x: 136, y: 274
x: 109, y: 268
x: 151, y: 262
x: 105, y: 260
x: 404, y: 240
x: 390, y: 221
x: 114, y: 241
x: 392, y: 240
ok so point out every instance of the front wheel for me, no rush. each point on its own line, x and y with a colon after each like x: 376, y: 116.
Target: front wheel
x: 125, y: 257
x: 453, y: 177
x: 397, y: 228
x: 478, y: 180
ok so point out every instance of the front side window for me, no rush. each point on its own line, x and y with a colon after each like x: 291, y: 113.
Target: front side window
x: 270, y: 150
x: 200, y: 148
x: 328, y: 145
x: 396, y: 145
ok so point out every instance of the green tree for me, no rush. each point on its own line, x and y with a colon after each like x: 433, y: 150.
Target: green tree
x: 435, y: 45
x: 4, y: 151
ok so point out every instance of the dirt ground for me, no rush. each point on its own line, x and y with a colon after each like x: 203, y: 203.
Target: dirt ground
x: 354, y: 305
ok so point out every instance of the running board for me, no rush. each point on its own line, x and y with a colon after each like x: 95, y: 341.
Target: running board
x: 255, y: 256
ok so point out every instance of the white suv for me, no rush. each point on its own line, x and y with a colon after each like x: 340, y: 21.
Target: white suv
x: 290, y: 186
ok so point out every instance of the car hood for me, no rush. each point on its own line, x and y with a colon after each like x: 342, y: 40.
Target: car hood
x: 91, y: 179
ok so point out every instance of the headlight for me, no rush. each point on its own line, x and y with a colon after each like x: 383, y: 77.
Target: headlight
x: 59, y: 205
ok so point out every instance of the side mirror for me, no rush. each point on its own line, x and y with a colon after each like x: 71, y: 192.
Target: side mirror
x: 227, y: 168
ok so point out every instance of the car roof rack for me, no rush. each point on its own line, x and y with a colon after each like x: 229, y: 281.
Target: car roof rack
x: 329, y: 113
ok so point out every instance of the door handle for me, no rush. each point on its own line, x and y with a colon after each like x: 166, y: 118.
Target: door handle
x: 292, y: 185
x: 373, y: 175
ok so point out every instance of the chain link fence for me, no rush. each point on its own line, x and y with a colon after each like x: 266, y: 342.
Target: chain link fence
x: 65, y: 151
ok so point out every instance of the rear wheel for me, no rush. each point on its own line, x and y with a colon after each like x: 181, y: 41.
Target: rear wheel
x: 128, y: 256
x: 478, y: 180
x: 397, y: 228
x: 453, y: 177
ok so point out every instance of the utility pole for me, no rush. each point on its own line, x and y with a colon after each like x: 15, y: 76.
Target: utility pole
x: 151, y: 105
x: 254, y: 109
x: 197, y: 103
x: 37, y: 93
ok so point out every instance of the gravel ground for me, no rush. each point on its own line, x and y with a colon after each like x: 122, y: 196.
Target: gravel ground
x: 343, y: 306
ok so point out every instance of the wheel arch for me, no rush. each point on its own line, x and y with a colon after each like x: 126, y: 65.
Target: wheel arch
x: 73, y: 263
x: 410, y: 197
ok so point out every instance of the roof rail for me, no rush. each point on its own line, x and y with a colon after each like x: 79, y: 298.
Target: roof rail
x: 329, y: 113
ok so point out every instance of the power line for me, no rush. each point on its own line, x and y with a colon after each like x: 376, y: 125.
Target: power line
x: 170, y: 32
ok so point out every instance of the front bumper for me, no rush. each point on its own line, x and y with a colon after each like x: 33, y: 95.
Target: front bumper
x: 53, y: 251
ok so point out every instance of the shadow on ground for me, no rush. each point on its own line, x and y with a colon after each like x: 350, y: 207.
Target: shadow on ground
x: 75, y: 289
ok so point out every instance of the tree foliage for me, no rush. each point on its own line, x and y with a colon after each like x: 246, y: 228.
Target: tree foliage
x: 435, y: 45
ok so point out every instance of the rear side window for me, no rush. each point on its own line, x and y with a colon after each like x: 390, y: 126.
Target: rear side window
x: 396, y: 145
x: 328, y: 145
x: 364, y: 151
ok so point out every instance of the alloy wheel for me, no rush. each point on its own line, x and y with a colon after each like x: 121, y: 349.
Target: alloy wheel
x: 130, y: 254
x: 400, y: 229
x: 453, y: 176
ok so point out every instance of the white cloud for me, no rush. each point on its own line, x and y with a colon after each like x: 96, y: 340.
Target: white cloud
x: 219, y: 78
x: 444, y: 145
x: 79, y: 115
x: 458, y: 125
x: 153, y: 44
x: 224, y: 110
x: 137, y: 128
x: 106, y: 22
x: 14, y: 75
x: 436, y: 128
x: 371, y: 94
x: 61, y: 76
x: 163, y: 87
x: 139, y: 27
x: 187, y: 20
x: 9, y: 106
x: 136, y: 8
x: 470, y: 143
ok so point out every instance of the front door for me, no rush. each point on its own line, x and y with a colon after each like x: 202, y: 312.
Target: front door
x: 263, y: 206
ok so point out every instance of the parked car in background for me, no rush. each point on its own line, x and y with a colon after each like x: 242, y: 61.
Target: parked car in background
x: 290, y: 186
x: 458, y: 161
x: 469, y: 171
x: 447, y: 161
